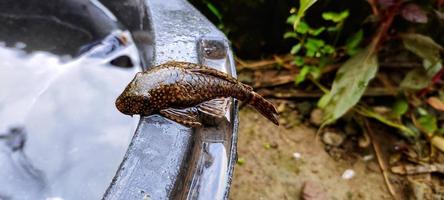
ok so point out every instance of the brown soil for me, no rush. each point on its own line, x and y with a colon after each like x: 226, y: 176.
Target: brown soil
x: 270, y: 171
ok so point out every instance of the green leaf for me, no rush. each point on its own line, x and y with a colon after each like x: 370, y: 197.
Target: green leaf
x: 422, y: 111
x: 304, y: 5
x: 328, y: 49
x: 350, y: 83
x: 214, y: 10
x: 428, y: 123
x: 415, y: 79
x: 311, y: 70
x: 353, y: 42
x: 296, y: 48
x: 441, y: 131
x: 316, y: 32
x: 406, y: 131
x: 423, y: 46
x: 332, y: 29
x: 313, y: 45
x: 315, y: 42
x: 290, y: 35
x: 302, y: 74
x: 335, y: 17
x: 315, y: 72
x: 298, y: 61
x: 292, y: 19
x: 302, y: 28
x: 240, y: 161
x: 310, y: 53
x: 431, y: 69
x: 400, y: 107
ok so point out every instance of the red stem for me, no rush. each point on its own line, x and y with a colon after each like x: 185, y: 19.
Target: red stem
x: 388, y: 15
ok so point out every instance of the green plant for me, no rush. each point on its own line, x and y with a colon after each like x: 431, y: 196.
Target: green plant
x: 215, y: 11
x: 311, y: 52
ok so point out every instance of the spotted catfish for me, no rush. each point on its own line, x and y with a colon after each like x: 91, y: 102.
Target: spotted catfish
x: 183, y: 92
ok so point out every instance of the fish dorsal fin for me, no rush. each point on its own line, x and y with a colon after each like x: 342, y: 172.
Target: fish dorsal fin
x: 216, y: 73
x: 187, y: 116
x: 249, y: 88
x: 215, y: 108
x: 200, y: 69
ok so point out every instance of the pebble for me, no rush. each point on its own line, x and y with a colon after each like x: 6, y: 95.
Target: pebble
x: 316, y: 116
x: 348, y: 174
x: 368, y: 157
x: 333, y: 138
x: 312, y: 191
x: 297, y: 155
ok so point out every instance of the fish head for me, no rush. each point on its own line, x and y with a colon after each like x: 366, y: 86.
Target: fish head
x: 135, y: 99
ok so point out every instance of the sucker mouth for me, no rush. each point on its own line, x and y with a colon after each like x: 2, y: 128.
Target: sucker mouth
x: 120, y: 105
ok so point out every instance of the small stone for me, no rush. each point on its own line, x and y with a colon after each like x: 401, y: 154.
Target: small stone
x: 297, y: 155
x: 372, y: 167
x: 312, y: 191
x: 368, y: 157
x: 333, y: 138
x: 348, y: 174
x: 316, y: 116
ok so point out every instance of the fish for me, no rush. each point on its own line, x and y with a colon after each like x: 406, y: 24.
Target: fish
x: 185, y: 92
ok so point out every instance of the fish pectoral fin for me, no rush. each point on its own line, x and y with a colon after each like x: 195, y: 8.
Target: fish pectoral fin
x: 188, y: 116
x: 215, y: 108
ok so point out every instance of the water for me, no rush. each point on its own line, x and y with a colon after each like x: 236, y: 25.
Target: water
x: 75, y: 136
x: 61, y: 136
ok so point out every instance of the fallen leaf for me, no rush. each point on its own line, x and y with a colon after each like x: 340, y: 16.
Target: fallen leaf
x: 349, y: 85
x: 423, y: 46
x: 413, y: 13
x: 436, y: 103
x: 416, y: 79
x: 438, y: 142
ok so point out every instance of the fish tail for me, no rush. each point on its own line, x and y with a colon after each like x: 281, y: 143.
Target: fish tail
x: 265, y: 107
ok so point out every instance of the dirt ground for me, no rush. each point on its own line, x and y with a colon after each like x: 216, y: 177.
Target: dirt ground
x: 269, y: 169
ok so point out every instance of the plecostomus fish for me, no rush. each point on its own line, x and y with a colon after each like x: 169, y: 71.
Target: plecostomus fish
x: 183, y: 92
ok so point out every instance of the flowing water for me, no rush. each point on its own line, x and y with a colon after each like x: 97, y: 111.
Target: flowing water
x: 61, y: 136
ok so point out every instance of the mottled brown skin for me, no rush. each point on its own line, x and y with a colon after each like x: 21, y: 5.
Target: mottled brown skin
x: 184, y: 85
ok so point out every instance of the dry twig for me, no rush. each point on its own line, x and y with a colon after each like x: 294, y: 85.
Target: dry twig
x: 381, y: 162
x: 262, y: 64
x: 418, y: 169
